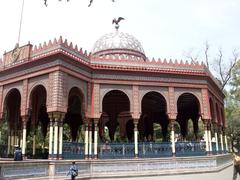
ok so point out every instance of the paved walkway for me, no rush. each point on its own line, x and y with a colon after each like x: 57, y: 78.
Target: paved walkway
x: 226, y: 174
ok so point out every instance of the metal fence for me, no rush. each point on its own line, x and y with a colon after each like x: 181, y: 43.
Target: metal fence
x: 3, y: 150
x: 190, y: 148
x: 116, y: 150
x: 73, y: 150
x: 154, y: 150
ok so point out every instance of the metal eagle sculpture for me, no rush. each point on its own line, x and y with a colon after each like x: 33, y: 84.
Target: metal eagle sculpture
x: 116, y: 22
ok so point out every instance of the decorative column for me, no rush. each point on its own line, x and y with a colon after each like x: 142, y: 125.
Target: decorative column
x: 216, y: 136
x: 221, y: 140
x: 55, y: 143
x: 95, y: 138
x: 24, y: 142
x: 206, y: 135
x: 173, y: 138
x: 90, y: 140
x: 135, y: 121
x: 50, y: 138
x: 210, y: 137
x: 60, y: 138
x: 86, y: 141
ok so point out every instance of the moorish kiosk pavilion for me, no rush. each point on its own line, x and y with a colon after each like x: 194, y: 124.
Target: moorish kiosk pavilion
x: 113, y: 96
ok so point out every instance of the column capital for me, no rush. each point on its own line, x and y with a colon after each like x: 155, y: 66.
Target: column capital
x: 25, y: 118
x: 95, y: 120
x: 24, y: 124
x: 135, y: 120
x: 56, y: 116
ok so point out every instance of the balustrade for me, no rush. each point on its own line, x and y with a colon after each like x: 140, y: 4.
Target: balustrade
x: 73, y: 150
x: 191, y: 148
x: 154, y: 150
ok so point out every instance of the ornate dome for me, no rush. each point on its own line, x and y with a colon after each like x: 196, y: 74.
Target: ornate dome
x: 118, y: 43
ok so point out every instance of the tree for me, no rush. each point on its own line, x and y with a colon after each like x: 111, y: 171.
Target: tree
x: 232, y: 112
x: 223, y: 69
x: 235, y: 83
x: 232, y: 109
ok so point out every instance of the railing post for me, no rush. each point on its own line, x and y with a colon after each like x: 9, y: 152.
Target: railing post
x: 216, y: 136
x: 173, y: 138
x: 210, y: 138
x: 95, y: 138
x: 221, y: 140
x: 135, y: 121
x: 206, y: 135
x: 24, y: 124
x: 86, y: 141
x: 90, y: 140
x: 50, y: 137
x: 60, y: 137
x: 226, y: 142
x: 55, y: 147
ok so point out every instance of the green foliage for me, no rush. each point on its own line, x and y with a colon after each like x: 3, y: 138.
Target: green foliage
x: 232, y: 112
x: 3, y: 132
x: 66, y: 133
x: 235, y: 82
x: 158, y: 137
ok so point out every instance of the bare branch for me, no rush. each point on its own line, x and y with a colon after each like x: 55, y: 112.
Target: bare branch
x: 220, y: 57
x: 225, y: 74
x: 190, y: 56
x: 206, y: 53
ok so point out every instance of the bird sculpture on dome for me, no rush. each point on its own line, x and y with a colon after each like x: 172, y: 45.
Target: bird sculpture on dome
x: 116, y: 22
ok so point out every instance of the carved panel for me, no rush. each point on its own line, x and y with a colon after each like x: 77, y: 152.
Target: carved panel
x: 24, y: 97
x: 17, y: 55
x: 96, y: 101
x: 58, y: 92
x: 136, y: 105
x: 172, y: 112
x: 88, y: 105
x: 205, y: 103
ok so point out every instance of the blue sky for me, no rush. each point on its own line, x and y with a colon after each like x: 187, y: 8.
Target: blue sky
x: 166, y: 28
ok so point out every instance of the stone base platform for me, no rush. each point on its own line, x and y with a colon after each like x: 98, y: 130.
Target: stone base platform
x: 117, y: 168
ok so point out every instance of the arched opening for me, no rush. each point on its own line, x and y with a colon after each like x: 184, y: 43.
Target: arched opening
x: 37, y: 124
x: 73, y: 121
x: 11, y: 123
x: 154, y: 108
x: 116, y: 106
x: 188, y: 108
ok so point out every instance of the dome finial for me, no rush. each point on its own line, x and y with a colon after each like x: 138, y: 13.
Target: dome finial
x: 116, y: 22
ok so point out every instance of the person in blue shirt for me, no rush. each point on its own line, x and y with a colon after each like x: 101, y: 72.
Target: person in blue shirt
x: 73, y: 171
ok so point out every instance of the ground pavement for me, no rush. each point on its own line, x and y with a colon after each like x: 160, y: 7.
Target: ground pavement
x: 225, y: 174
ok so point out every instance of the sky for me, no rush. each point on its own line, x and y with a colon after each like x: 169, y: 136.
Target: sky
x: 166, y: 28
